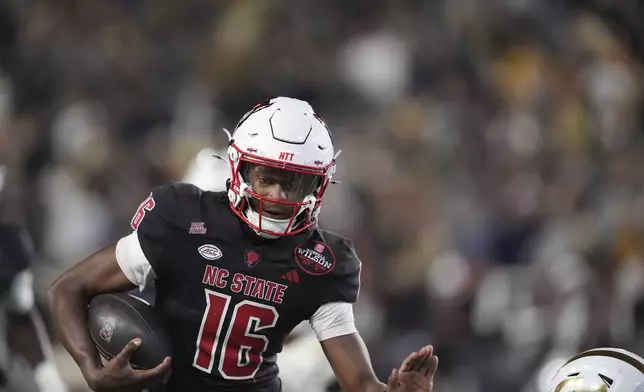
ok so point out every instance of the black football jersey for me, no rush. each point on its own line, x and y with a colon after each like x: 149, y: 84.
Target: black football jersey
x: 230, y: 297
x: 15, y: 255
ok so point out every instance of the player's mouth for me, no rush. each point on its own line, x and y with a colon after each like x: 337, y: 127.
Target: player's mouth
x: 274, y: 214
x: 272, y: 210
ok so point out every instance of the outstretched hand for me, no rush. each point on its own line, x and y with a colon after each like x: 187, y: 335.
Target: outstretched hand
x: 416, y: 374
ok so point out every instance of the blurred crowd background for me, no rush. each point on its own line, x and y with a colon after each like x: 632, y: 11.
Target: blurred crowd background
x: 492, y: 174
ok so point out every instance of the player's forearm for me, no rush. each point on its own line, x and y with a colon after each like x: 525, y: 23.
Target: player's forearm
x: 350, y: 361
x: 68, y: 307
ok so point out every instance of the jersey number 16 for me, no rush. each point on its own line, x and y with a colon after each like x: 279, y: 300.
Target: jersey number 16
x: 241, y: 347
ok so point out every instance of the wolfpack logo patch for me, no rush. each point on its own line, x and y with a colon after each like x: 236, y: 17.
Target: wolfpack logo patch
x: 315, y: 258
x: 210, y: 252
x: 107, y: 330
x: 252, y: 258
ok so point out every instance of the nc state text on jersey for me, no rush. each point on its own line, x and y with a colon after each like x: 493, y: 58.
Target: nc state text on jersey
x: 250, y: 286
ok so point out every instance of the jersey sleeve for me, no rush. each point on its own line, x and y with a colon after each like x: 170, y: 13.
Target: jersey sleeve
x: 345, y: 280
x: 334, y: 315
x: 153, y: 223
x: 133, y: 262
x: 332, y: 320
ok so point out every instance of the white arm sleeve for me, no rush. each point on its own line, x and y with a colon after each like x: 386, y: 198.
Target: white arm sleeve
x: 133, y: 262
x: 333, y: 320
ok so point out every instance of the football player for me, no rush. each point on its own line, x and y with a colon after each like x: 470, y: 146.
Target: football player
x: 26, y: 356
x: 236, y: 271
x: 600, y: 370
x: 302, y: 363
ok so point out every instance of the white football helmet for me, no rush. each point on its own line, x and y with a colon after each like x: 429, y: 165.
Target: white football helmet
x: 600, y: 370
x: 285, y: 135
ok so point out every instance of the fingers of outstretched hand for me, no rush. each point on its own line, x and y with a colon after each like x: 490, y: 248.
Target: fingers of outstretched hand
x: 422, y: 364
x: 427, y: 364
x: 409, y: 362
x: 422, y: 359
x: 394, y: 379
x: 431, y: 367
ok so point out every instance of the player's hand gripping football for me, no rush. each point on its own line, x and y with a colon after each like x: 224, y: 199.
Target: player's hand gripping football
x: 416, y: 374
x: 119, y: 376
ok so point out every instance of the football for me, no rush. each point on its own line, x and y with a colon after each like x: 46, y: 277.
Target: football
x: 115, y: 319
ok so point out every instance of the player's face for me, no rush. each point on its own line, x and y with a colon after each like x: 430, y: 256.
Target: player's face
x: 281, y: 185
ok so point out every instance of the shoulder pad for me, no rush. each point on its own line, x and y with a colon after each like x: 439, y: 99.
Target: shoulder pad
x: 168, y: 208
x: 347, y: 261
x: 346, y: 273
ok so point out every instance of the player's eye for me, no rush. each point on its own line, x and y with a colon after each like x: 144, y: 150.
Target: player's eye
x: 263, y: 181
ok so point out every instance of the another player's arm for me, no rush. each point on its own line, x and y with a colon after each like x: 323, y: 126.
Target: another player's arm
x: 69, y: 295
x: 27, y: 334
x: 24, y: 333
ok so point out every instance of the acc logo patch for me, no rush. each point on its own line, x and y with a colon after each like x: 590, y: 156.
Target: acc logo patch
x: 315, y: 258
x: 252, y: 258
x: 210, y: 252
x: 107, y: 330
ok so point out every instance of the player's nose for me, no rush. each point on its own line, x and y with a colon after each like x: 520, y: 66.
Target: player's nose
x: 275, y: 191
